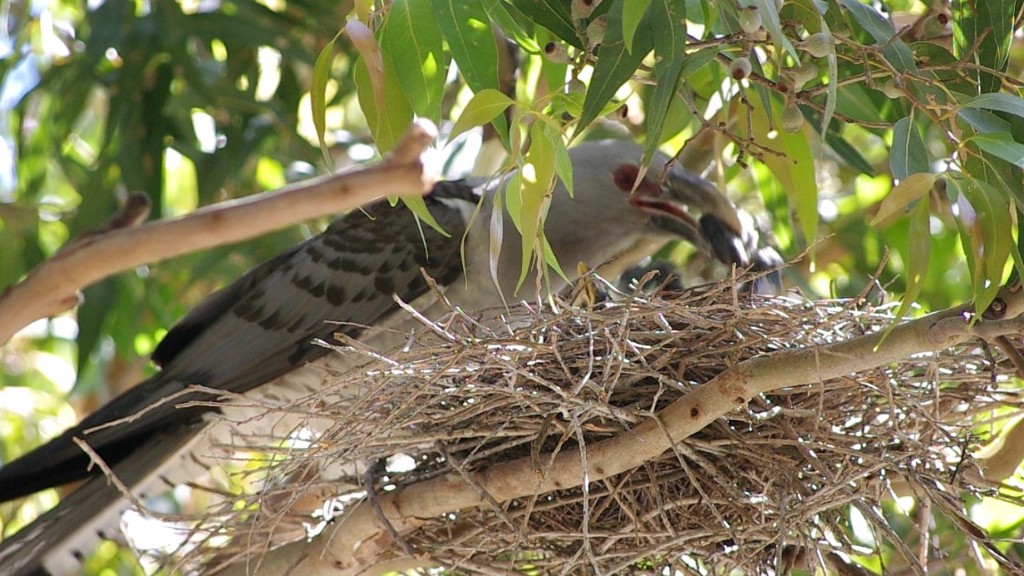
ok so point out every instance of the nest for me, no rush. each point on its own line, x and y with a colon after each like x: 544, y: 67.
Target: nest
x: 802, y: 477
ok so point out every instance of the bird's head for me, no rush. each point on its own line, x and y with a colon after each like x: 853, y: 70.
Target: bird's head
x: 617, y: 202
x: 620, y: 213
x: 621, y: 210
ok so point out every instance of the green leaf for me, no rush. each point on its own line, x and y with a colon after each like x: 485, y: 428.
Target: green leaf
x: 563, y: 165
x: 917, y: 257
x: 615, y: 65
x: 942, y: 67
x: 991, y: 23
x: 832, y: 93
x: 983, y: 121
x: 790, y: 160
x: 98, y: 303
x: 411, y: 41
x: 486, y: 105
x: 388, y: 118
x: 998, y: 102
x: 856, y: 102
x: 669, y: 24
x: 555, y: 15
x: 896, y: 51
x: 985, y: 230
x: 499, y: 14
x: 986, y: 167
x: 910, y: 189
x: 495, y: 242
x: 908, y: 154
x: 1002, y: 145
x: 848, y: 152
x: 550, y: 259
x: 698, y: 59
x: 467, y: 29
x: 535, y: 180
x: 418, y: 205
x: 632, y: 13
x: 318, y: 95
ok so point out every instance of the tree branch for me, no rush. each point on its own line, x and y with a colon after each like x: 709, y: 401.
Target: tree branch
x: 54, y: 285
x: 359, y: 543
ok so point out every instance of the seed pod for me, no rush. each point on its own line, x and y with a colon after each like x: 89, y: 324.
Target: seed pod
x: 580, y: 9
x: 740, y: 68
x: 595, y: 31
x: 934, y: 25
x: 792, y: 119
x: 819, y: 44
x: 556, y: 52
x: 750, y: 19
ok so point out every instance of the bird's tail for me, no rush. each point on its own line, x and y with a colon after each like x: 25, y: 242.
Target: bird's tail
x: 58, y: 541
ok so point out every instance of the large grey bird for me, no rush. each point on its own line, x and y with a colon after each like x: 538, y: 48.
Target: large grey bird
x: 256, y: 336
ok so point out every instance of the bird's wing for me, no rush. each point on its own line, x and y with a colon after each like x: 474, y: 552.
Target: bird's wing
x: 262, y: 326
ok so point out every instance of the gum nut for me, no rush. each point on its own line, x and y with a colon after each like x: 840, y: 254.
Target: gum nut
x: 740, y: 68
x: 750, y: 19
x: 819, y: 44
x: 792, y: 119
x: 556, y: 52
x: 596, y: 31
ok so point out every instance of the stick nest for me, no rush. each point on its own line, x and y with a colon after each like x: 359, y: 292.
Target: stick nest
x: 763, y: 489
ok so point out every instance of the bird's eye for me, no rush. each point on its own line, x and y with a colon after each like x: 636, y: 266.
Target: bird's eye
x: 625, y: 176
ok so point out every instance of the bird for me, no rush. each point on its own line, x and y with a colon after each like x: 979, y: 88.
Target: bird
x: 261, y: 336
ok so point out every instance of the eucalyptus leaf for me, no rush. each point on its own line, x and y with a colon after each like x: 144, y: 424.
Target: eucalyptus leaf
x: 467, y: 30
x: 895, y: 50
x: 908, y: 154
x: 669, y: 24
x: 411, y: 41
x: 1001, y: 145
x: 554, y: 15
x: 632, y: 13
x: 615, y: 64
x: 910, y: 189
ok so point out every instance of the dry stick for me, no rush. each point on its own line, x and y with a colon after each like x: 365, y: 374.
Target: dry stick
x: 97, y: 460
x: 353, y: 550
x: 54, y: 285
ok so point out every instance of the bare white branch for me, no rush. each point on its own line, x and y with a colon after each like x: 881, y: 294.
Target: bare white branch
x: 54, y: 285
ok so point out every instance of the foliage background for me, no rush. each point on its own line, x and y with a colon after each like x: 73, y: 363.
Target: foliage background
x: 914, y: 112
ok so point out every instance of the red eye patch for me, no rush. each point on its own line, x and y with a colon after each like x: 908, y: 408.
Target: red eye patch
x: 625, y: 176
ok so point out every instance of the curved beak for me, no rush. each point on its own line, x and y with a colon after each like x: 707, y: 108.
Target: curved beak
x: 687, y: 188
x: 722, y: 230
x: 670, y: 203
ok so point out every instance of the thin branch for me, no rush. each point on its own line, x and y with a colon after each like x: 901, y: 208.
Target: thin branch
x: 54, y: 285
x: 352, y: 548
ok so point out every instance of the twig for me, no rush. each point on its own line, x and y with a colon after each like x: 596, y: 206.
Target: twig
x: 108, y: 473
x: 371, y: 497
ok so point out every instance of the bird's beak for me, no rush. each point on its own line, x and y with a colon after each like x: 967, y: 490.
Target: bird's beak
x: 668, y: 198
x: 685, y: 187
x: 720, y: 231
